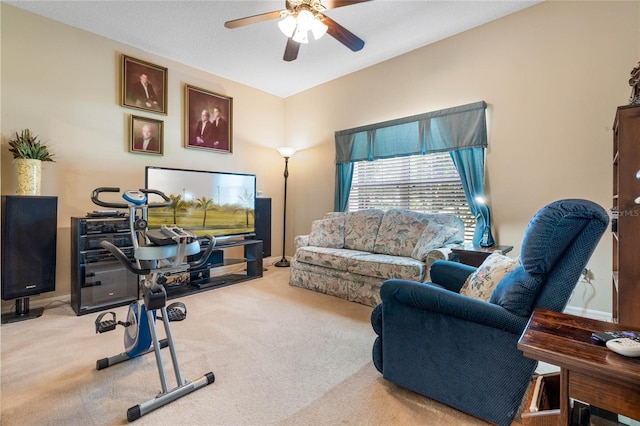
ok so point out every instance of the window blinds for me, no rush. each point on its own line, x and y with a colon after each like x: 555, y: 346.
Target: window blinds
x: 425, y: 183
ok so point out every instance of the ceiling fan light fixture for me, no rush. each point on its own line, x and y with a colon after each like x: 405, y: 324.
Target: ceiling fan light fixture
x: 318, y: 28
x: 287, y: 25
x: 305, y: 20
x: 300, y: 35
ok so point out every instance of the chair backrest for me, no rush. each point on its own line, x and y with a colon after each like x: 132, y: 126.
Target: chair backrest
x: 558, y: 243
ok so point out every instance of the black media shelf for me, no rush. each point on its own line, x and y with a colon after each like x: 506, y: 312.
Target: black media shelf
x: 201, y: 279
x: 100, y: 282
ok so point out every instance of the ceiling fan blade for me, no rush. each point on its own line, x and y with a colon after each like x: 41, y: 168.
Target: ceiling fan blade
x: 332, y: 4
x: 343, y: 35
x: 291, y: 51
x: 252, y: 19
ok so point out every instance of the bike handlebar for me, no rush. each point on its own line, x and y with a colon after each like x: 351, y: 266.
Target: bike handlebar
x: 95, y: 197
x: 124, y: 259
x: 146, y: 271
x: 206, y: 254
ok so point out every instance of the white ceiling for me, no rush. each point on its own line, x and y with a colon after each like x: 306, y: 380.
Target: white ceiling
x: 193, y: 33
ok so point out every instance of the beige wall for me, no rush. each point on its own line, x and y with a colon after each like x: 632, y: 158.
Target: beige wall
x: 64, y: 84
x: 552, y: 76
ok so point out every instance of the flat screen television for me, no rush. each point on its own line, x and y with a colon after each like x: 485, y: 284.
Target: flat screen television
x: 204, y: 202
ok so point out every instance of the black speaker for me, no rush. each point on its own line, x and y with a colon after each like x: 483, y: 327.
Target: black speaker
x: 29, y: 231
x: 263, y: 224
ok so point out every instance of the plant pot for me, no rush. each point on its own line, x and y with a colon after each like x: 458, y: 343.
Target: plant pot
x: 29, y: 176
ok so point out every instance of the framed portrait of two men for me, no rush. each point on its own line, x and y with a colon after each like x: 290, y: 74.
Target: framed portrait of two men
x: 208, y: 120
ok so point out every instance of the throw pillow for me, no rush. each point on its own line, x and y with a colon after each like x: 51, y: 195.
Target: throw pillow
x: 518, y: 293
x: 361, y: 228
x: 399, y: 232
x: 483, y: 281
x: 327, y: 232
x: 433, y: 236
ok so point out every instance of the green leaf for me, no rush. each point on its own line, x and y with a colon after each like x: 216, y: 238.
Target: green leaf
x: 26, y: 145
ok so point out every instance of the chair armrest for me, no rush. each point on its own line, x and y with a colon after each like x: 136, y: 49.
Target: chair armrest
x: 428, y: 297
x: 450, y: 275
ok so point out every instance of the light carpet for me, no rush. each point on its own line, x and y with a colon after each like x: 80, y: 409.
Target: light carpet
x: 281, y: 355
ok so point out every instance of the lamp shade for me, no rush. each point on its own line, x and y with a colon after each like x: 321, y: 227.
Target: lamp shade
x: 286, y: 151
x: 300, y: 36
x: 305, y: 20
x: 287, y: 25
x: 318, y: 28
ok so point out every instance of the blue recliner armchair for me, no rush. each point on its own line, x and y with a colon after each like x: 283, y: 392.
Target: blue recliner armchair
x: 462, y: 351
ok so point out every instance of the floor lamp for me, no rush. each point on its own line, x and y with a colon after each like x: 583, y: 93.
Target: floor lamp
x: 286, y: 152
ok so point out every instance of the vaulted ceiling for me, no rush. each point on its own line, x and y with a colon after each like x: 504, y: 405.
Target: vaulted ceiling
x: 193, y: 33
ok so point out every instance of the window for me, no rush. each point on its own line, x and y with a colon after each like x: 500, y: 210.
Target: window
x: 424, y: 183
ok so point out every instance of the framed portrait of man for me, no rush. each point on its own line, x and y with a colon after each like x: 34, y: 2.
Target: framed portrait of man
x: 208, y: 120
x: 146, y: 136
x: 144, y: 85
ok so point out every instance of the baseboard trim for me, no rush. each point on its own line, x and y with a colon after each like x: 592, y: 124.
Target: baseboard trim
x: 589, y: 313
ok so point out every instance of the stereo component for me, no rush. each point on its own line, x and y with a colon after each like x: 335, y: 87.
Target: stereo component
x: 98, y: 280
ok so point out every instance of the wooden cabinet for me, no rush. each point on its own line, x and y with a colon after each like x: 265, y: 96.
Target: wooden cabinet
x: 625, y: 224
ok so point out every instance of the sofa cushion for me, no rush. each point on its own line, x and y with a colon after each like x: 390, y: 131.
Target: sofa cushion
x: 399, y: 232
x: 361, y: 229
x: 433, y: 236
x: 327, y: 232
x: 386, y: 266
x: 483, y: 281
x: 517, y: 291
x: 328, y: 257
x: 451, y: 221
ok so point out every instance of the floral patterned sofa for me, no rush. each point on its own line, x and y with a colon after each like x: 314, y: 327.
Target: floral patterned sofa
x: 349, y: 255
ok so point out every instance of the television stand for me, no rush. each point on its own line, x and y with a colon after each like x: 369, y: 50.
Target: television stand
x: 211, y: 282
x: 203, y: 278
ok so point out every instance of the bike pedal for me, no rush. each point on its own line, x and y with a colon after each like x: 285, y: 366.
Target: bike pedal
x: 176, y: 315
x: 105, y: 326
x: 176, y: 311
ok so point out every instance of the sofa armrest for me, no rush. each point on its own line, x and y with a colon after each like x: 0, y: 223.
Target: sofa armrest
x: 427, y: 297
x: 442, y: 253
x: 450, y: 275
x: 300, y: 241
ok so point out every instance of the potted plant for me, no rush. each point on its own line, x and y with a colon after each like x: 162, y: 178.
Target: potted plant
x: 30, y: 153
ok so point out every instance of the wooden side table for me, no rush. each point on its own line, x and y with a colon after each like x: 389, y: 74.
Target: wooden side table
x: 589, y: 372
x: 474, y: 254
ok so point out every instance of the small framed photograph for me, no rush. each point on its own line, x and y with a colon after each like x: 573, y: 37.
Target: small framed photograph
x: 208, y: 120
x: 146, y: 136
x: 144, y: 85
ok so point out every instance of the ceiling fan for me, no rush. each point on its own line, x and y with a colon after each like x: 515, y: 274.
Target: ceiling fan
x: 301, y: 17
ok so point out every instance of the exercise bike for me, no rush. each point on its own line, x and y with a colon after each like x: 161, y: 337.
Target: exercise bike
x: 158, y: 253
